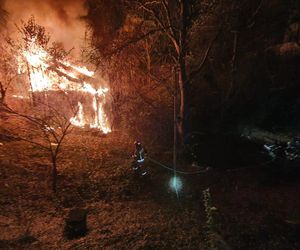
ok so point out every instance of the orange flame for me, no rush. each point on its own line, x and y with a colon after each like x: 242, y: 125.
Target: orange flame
x: 63, y: 76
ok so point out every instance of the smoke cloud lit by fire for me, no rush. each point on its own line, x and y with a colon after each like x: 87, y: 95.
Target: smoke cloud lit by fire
x: 61, y: 18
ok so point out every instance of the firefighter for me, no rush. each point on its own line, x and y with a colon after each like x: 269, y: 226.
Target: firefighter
x: 139, y: 158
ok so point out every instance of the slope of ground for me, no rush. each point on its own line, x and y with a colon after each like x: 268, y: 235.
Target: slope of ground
x: 125, y: 212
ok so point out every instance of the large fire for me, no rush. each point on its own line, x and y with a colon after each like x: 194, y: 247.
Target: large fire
x: 49, y: 74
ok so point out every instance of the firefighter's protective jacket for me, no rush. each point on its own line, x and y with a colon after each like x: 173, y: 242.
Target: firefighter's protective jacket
x: 140, y: 155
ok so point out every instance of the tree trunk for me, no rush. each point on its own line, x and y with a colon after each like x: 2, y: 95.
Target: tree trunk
x: 175, y: 143
x: 183, y: 79
x: 3, y: 93
x: 148, y: 60
x: 31, y: 88
x: 54, y: 174
x: 184, y: 106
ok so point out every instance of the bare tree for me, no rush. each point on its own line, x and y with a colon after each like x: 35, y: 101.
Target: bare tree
x: 169, y: 24
x: 176, y: 20
x: 47, y: 131
x: 46, y: 123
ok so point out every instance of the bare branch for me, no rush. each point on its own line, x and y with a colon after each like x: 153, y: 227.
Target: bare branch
x: 165, y: 28
x: 134, y: 41
x: 201, y: 65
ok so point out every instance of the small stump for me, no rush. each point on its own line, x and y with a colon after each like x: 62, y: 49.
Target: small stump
x: 75, y: 226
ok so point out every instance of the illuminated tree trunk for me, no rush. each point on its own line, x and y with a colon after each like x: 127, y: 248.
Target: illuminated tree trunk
x: 3, y: 93
x: 97, y: 108
x: 184, y: 106
x: 183, y: 79
x: 30, y: 84
x: 175, y: 141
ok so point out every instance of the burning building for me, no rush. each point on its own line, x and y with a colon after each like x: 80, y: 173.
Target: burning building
x: 47, y: 73
x: 49, y: 76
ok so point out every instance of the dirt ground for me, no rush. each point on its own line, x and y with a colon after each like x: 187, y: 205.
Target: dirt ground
x: 254, y: 209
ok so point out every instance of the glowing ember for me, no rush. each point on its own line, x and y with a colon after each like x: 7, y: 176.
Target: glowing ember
x: 45, y: 74
x: 19, y: 97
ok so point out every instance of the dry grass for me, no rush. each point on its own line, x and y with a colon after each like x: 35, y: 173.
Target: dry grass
x: 129, y: 213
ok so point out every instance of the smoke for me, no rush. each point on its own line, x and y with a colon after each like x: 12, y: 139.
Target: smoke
x: 61, y: 18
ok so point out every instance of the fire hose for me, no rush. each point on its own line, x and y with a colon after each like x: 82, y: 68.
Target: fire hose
x: 206, y: 169
x: 177, y: 171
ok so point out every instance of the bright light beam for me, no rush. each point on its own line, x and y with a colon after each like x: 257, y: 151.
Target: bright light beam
x: 175, y: 184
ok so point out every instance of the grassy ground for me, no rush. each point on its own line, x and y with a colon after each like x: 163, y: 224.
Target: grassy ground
x: 125, y: 212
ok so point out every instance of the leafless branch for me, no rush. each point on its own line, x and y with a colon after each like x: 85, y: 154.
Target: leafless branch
x: 201, y: 65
